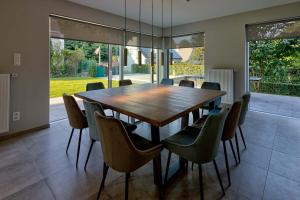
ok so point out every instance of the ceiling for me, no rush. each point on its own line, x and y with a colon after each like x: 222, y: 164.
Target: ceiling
x: 183, y: 11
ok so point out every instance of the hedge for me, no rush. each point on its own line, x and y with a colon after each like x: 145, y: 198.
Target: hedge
x: 186, y: 68
x: 277, y: 88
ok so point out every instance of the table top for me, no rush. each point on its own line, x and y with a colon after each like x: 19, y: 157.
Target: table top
x: 152, y: 103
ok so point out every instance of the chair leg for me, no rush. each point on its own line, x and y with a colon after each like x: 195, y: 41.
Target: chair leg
x: 78, y: 147
x: 167, y: 168
x: 192, y: 165
x: 105, y: 169
x: 219, y: 177
x: 233, y: 152
x: 89, y: 153
x: 226, y: 162
x: 126, y: 185
x: 201, y: 182
x: 70, y: 140
x: 237, y: 147
x: 242, y: 135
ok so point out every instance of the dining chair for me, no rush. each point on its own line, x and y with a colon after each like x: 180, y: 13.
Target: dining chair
x: 77, y: 120
x: 166, y: 81
x: 125, y: 82
x: 90, y: 109
x: 124, y: 152
x: 216, y: 103
x: 245, y: 105
x: 229, y: 132
x: 191, y: 84
x: 187, y: 83
x: 95, y: 86
x: 198, y: 147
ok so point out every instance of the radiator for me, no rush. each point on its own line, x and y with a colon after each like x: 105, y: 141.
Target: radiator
x: 4, y: 102
x: 226, y: 79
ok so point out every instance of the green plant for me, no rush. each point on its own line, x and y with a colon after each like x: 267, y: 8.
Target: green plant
x: 186, y: 69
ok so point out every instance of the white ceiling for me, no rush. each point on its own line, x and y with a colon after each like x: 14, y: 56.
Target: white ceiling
x: 183, y: 12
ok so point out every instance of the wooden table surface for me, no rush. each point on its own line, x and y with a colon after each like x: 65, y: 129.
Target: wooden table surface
x: 152, y: 103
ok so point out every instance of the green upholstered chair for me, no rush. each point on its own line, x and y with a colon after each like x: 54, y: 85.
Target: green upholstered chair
x: 125, y: 82
x: 90, y: 109
x: 124, y: 152
x: 94, y: 86
x: 198, y: 147
x: 187, y: 83
x: 77, y: 120
x: 216, y: 103
x: 166, y: 81
x: 245, y: 105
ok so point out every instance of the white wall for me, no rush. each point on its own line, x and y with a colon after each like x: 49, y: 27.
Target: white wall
x: 225, y: 39
x: 25, y: 29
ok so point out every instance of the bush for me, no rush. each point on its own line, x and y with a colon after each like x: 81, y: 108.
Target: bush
x: 276, y: 88
x: 143, y: 69
x: 186, y: 69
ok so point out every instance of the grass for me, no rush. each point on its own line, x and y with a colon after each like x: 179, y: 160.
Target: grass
x: 71, y: 85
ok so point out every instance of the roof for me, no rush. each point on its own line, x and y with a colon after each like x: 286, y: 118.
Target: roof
x: 147, y: 53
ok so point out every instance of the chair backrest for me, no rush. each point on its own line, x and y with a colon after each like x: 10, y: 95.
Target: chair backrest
x: 186, y: 83
x: 125, y: 82
x: 94, y: 86
x: 118, y: 151
x: 245, y: 105
x: 76, y: 118
x: 166, y: 81
x: 90, y: 109
x: 212, y: 86
x: 207, y: 143
x: 232, y: 120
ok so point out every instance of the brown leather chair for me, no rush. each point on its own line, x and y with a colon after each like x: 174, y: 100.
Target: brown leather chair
x: 124, y: 152
x: 229, y: 132
x: 77, y: 120
x: 125, y: 82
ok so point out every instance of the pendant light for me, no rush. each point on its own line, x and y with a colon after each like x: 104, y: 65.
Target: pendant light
x: 125, y: 53
x: 162, y: 55
x: 171, y: 38
x: 152, y: 51
x: 140, y: 52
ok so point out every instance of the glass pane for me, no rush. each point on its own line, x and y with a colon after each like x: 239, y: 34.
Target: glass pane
x: 138, y: 74
x: 188, y: 64
x: 116, y: 65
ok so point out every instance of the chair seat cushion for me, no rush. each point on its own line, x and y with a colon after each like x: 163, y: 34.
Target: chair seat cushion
x: 184, y: 137
x: 140, y: 142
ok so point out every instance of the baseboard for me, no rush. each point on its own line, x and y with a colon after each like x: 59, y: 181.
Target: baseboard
x: 7, y: 136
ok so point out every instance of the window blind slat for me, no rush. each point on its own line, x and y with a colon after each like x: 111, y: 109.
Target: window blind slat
x: 274, y: 30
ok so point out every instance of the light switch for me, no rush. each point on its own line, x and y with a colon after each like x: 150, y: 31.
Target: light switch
x: 17, y: 59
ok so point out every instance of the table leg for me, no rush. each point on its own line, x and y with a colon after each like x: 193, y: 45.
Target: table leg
x: 155, y: 137
x: 184, y: 121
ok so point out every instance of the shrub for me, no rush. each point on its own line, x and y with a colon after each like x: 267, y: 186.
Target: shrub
x: 143, y: 69
x: 186, y: 68
x: 276, y: 88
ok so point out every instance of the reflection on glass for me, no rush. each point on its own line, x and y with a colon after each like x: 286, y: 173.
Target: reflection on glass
x: 188, y: 64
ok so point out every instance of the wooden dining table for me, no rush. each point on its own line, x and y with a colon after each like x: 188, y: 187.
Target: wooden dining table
x: 155, y: 104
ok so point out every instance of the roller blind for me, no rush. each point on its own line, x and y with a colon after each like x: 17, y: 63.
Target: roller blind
x: 186, y: 41
x: 274, y: 30
x: 76, y: 30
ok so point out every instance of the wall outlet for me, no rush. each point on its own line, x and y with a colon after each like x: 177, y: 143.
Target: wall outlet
x: 16, y: 116
x: 17, y: 59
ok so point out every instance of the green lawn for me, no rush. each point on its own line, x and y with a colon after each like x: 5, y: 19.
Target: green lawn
x: 72, y: 85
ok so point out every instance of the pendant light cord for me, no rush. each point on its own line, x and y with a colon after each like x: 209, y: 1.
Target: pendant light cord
x: 140, y: 8
x: 171, y: 25
x: 162, y: 18
x: 125, y: 34
x: 152, y: 25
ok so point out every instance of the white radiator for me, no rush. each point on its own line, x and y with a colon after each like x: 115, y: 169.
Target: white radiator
x: 226, y: 79
x: 4, y: 102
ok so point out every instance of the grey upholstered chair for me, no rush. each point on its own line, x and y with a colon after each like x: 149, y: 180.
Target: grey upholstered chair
x: 198, y: 147
x: 125, y: 82
x: 94, y: 86
x: 166, y: 81
x: 77, y: 120
x: 187, y: 83
x: 90, y: 109
x: 124, y: 152
x: 245, y: 105
x: 216, y: 103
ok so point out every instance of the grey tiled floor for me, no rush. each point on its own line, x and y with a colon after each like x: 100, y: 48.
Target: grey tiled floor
x: 35, y: 166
